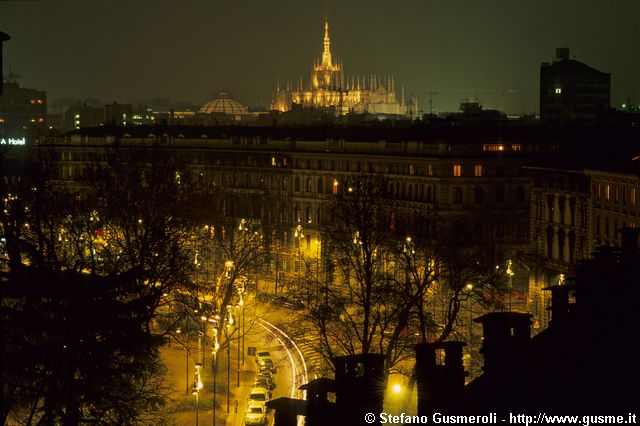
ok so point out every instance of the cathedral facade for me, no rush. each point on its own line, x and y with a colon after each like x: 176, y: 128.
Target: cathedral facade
x: 330, y: 89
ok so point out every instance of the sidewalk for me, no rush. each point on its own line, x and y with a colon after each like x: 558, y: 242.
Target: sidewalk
x: 183, y: 404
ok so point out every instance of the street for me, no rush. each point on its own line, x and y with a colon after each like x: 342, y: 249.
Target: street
x: 262, y: 335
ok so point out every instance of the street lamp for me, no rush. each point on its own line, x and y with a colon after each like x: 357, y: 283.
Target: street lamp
x: 510, y: 275
x: 228, y: 328
x: 201, y: 346
x: 214, y: 365
x: 238, y: 344
x: 186, y: 346
x: 242, y: 292
x: 299, y: 235
x: 397, y: 390
x: 197, y: 386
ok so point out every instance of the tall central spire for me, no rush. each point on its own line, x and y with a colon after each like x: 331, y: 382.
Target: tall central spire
x: 326, y: 53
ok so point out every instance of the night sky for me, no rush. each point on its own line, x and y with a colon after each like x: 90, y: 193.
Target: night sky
x: 190, y: 49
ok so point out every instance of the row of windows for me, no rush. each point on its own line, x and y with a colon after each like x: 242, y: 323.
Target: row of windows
x: 617, y: 194
x: 478, y: 170
x: 565, y: 213
x: 396, y: 190
x: 562, y: 245
x: 479, y: 194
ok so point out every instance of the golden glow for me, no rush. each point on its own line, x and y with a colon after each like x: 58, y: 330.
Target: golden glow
x: 328, y: 87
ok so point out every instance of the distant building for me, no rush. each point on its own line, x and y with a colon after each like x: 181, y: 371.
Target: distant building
x: 118, y: 114
x: 329, y: 89
x: 23, y: 111
x: 222, y: 109
x: 83, y: 115
x: 571, y: 90
x: 575, y: 209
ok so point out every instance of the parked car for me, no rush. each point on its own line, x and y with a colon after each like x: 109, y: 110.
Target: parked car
x: 256, y: 414
x: 269, y: 376
x: 266, y: 364
x: 260, y: 395
x: 293, y: 303
x: 261, y: 355
x: 278, y: 300
x: 262, y: 382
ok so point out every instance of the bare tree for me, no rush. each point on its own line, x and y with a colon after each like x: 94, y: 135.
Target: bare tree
x: 87, y: 265
x: 400, y: 280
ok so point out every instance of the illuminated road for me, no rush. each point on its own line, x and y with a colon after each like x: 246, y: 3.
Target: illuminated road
x: 297, y: 363
x: 297, y: 374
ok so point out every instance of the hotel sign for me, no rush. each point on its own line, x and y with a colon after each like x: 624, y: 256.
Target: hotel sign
x: 13, y: 141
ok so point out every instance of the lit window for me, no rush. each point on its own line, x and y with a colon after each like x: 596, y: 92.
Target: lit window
x: 477, y: 170
x: 607, y: 192
x: 516, y: 147
x: 429, y: 170
x: 558, y: 91
x: 335, y: 187
x: 493, y: 147
x: 273, y: 161
x: 457, y: 170
x: 632, y: 197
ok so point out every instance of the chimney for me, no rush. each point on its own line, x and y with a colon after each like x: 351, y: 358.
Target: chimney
x: 440, y: 376
x: 360, y: 384
x: 562, y: 53
x: 505, y: 340
x: 562, y: 302
x: 320, y: 411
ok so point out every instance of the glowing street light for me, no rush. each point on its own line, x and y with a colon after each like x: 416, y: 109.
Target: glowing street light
x: 197, y: 386
x: 397, y: 390
x: 214, y: 364
x: 510, y: 274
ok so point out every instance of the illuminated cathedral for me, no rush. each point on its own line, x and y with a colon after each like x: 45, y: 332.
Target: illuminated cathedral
x: 329, y: 89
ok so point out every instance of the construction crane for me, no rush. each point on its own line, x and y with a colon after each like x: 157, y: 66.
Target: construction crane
x: 431, y: 101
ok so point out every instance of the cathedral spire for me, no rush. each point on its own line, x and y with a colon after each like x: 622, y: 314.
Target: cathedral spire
x: 326, y: 53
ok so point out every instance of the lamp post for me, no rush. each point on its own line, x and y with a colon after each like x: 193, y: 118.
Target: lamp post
x: 204, y: 320
x: 469, y: 289
x: 214, y: 367
x: 299, y: 235
x: 277, y: 244
x: 197, y: 386
x: 186, y: 346
x: 201, y: 346
x: 242, y: 293
x: 228, y: 328
x: 510, y: 275
x: 238, y: 344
